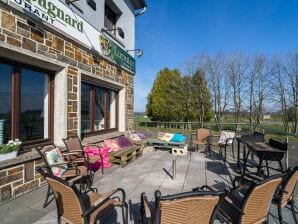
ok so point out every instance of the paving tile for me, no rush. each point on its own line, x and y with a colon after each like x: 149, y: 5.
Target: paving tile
x: 151, y: 172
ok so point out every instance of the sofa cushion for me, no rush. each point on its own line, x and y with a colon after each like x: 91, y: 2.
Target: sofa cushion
x: 112, y: 144
x: 178, y: 138
x: 124, y: 142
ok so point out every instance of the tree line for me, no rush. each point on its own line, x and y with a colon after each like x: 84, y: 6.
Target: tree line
x: 208, y: 86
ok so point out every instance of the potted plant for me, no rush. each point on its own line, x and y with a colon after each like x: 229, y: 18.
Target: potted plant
x: 9, y: 150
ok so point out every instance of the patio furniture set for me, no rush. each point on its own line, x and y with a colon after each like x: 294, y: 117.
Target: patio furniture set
x: 253, y: 144
x: 247, y: 202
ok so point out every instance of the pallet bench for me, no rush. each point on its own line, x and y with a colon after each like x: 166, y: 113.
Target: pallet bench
x: 125, y: 156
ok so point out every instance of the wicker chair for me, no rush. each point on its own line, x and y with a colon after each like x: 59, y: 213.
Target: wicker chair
x: 73, y: 175
x: 249, y: 203
x: 74, y: 144
x: 73, y: 207
x: 200, y: 138
x: 223, y: 142
x: 190, y: 207
x: 285, y: 194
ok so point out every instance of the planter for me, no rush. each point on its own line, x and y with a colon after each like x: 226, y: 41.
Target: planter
x: 9, y: 155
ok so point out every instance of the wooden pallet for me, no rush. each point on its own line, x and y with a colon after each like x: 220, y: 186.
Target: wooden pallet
x: 126, y: 156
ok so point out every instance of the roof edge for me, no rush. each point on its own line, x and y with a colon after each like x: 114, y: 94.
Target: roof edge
x: 139, y: 4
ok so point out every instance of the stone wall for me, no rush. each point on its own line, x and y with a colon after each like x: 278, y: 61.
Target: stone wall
x: 24, y: 33
x: 18, y: 176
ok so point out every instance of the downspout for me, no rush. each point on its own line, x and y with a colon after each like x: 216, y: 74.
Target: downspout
x: 142, y: 11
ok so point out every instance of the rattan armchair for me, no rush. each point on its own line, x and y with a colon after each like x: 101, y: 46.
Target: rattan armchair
x: 200, y: 138
x: 73, y: 207
x: 74, y: 174
x: 249, y: 202
x: 74, y: 144
x: 285, y: 194
x: 189, y: 207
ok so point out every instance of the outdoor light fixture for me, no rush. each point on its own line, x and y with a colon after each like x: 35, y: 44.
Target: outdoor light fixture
x: 139, y: 52
x: 120, y: 31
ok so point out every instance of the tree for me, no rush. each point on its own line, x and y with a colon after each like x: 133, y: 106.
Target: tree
x: 236, y: 68
x: 177, y: 98
x: 218, y: 83
x: 291, y: 72
x: 259, y: 87
x: 201, y: 97
x: 161, y: 104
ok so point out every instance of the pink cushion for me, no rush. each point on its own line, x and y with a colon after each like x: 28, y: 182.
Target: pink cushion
x: 112, y: 144
x: 103, y: 152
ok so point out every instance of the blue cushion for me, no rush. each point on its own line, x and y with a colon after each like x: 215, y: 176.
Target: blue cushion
x: 178, y: 138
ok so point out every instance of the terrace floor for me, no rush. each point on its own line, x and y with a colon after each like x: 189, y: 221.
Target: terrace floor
x: 150, y: 172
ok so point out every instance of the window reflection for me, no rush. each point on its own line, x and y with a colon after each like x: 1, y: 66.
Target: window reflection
x: 85, y: 108
x: 99, y: 122
x: 98, y: 108
x: 34, y: 105
x: 5, y: 103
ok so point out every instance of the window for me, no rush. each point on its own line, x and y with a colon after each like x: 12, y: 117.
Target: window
x: 25, y: 104
x: 98, y: 108
x: 110, y: 19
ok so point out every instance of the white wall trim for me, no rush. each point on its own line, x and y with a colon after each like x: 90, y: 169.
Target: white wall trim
x: 60, y: 107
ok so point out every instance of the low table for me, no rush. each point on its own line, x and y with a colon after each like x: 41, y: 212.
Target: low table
x: 159, y: 144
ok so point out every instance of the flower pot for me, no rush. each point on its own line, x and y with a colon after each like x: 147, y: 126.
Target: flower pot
x: 9, y: 155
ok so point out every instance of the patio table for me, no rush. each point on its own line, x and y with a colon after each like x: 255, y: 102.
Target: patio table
x: 261, y: 150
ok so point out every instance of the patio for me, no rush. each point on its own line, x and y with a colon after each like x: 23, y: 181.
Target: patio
x: 150, y: 172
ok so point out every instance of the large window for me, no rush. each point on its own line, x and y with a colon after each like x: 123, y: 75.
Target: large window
x: 25, y: 104
x: 98, y: 108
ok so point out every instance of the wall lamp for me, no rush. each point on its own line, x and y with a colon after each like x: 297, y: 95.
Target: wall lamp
x: 120, y: 31
x: 139, y: 52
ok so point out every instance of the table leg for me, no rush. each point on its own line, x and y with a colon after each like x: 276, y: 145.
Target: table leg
x: 245, y: 157
x: 260, y: 164
x: 238, y: 153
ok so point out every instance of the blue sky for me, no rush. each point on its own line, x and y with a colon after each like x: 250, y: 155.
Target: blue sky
x: 172, y: 31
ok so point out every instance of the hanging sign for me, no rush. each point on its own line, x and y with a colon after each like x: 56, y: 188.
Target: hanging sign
x: 117, y: 54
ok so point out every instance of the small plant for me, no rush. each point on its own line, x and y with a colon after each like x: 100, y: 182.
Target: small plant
x: 11, y: 146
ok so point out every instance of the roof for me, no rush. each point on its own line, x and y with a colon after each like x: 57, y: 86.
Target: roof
x: 139, y: 4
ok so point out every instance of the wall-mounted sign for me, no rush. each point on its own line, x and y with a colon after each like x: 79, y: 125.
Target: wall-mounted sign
x: 117, y: 54
x: 59, y: 16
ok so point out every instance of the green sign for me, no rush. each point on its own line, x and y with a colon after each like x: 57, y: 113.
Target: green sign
x: 117, y: 54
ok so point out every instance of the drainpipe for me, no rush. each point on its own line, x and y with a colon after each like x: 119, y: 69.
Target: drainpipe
x: 142, y: 11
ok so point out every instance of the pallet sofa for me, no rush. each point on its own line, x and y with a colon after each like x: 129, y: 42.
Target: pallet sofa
x: 131, y: 150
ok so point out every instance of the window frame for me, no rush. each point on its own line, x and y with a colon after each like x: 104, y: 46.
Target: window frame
x: 93, y: 132
x: 16, y: 102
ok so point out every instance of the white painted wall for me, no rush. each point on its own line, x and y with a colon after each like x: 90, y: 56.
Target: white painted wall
x: 60, y: 107
x: 122, y: 113
x: 96, y: 18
